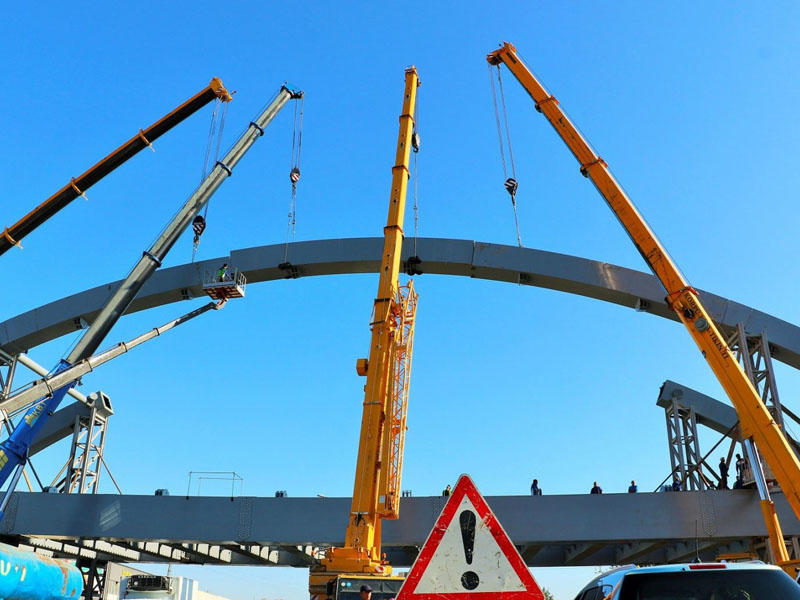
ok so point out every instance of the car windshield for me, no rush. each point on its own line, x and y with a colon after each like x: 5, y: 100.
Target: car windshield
x: 723, y: 584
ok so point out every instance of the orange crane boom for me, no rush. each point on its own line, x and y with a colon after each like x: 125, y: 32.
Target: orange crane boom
x: 12, y: 235
x: 756, y: 421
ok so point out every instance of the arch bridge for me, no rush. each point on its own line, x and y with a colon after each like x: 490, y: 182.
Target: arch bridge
x: 550, y: 530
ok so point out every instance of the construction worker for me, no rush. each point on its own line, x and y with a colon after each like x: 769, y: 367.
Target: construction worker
x: 633, y: 488
x: 222, y: 272
x: 365, y: 593
x: 740, y: 465
x: 723, y: 474
x: 596, y: 489
x: 446, y: 491
x: 535, y: 489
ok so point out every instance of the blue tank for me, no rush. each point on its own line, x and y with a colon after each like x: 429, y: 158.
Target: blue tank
x: 28, y: 576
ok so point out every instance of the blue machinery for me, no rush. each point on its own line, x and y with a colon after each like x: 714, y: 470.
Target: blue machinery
x: 33, y: 577
x: 15, y: 449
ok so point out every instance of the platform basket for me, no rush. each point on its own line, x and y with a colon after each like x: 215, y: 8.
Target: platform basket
x: 230, y: 285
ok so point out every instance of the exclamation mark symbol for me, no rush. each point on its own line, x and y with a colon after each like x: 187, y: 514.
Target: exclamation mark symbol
x: 469, y: 579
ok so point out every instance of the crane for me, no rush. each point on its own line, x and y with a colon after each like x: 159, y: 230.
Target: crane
x: 379, y: 466
x: 42, y: 387
x: 14, y: 449
x: 77, y: 186
x: 759, y: 428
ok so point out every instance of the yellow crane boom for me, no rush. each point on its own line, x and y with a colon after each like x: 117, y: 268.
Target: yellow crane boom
x: 756, y: 421
x: 376, y: 491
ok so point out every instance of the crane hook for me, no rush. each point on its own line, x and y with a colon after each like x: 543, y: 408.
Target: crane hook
x: 511, y: 187
x: 198, y: 226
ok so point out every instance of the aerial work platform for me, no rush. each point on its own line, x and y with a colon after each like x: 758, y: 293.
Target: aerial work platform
x: 224, y: 283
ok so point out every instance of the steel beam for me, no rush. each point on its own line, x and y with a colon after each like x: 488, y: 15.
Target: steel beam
x: 585, y: 528
x: 593, y: 279
x: 579, y: 552
x: 709, y: 412
x: 631, y: 552
x: 690, y: 551
x: 60, y: 425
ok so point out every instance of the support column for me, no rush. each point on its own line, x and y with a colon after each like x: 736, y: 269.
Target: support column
x: 684, y: 449
x: 86, y: 452
x: 94, y: 578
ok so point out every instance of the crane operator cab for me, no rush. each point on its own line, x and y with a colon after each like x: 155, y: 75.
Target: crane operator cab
x: 349, y: 587
x: 224, y: 282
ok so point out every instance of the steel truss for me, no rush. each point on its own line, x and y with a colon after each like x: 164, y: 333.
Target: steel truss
x: 85, y: 462
x: 81, y: 472
x: 753, y: 351
x: 684, y: 449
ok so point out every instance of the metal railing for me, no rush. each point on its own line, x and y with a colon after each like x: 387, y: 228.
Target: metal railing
x: 213, y: 278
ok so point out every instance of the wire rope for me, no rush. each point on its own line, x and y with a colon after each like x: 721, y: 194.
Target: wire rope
x: 510, y: 182
x: 215, y: 130
x: 415, y: 145
x: 294, y: 173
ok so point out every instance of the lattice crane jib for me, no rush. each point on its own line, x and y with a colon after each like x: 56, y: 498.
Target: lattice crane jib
x: 404, y: 314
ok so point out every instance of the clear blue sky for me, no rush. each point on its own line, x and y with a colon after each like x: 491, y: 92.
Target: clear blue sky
x: 693, y: 107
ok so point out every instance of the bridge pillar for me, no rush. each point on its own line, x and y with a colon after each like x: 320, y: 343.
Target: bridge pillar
x: 94, y: 578
x: 85, y: 462
x: 684, y: 450
x: 753, y: 352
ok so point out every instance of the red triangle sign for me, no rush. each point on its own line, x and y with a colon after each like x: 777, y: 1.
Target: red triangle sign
x: 468, y: 556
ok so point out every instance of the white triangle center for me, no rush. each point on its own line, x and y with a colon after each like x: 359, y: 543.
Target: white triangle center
x: 448, y: 571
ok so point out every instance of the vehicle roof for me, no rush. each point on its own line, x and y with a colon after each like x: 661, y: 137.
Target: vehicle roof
x: 612, y: 576
x: 754, y: 564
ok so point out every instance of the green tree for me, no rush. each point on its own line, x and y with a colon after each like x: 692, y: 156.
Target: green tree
x: 547, y: 594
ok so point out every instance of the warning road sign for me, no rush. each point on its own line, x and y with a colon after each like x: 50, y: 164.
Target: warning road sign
x: 468, y: 556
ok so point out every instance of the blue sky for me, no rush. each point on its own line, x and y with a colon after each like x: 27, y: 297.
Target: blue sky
x: 693, y: 107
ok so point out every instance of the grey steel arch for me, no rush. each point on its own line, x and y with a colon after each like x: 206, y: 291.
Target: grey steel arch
x: 593, y: 279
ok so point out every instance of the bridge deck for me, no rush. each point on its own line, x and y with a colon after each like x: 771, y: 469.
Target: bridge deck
x: 549, y: 530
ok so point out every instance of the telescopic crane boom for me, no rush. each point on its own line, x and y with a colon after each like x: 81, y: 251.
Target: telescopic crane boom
x: 376, y: 491
x: 14, y: 450
x: 42, y: 387
x: 12, y: 235
x: 756, y: 421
